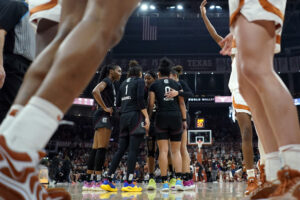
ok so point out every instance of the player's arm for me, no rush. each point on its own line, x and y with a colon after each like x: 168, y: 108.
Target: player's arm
x: 183, y: 111
x: 151, y: 102
x: 187, y: 91
x: 141, y: 102
x: 212, y: 31
x: 2, y: 71
x: 97, y: 95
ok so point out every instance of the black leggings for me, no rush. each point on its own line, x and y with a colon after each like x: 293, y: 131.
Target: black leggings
x: 133, y: 142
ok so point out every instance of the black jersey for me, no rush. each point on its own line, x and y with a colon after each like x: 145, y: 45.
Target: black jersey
x: 131, y: 95
x: 109, y: 93
x: 147, y: 101
x: 187, y: 93
x: 160, y: 88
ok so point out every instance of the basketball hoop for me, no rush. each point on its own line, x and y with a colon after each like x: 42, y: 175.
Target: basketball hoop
x: 199, y: 143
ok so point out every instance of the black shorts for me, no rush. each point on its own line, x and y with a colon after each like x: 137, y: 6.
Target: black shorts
x: 132, y: 123
x: 102, y: 119
x: 15, y: 68
x: 168, y: 125
x: 188, y: 120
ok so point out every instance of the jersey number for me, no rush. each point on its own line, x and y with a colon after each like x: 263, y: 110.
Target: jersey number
x: 167, y: 89
x: 126, y: 89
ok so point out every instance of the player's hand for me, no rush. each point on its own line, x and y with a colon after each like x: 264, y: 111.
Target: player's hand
x: 184, y: 125
x: 202, y: 7
x: 109, y: 110
x: 173, y: 93
x: 2, y: 76
x: 226, y: 43
x: 147, y: 125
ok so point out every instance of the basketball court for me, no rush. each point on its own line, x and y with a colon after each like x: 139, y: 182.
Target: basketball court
x: 221, y: 191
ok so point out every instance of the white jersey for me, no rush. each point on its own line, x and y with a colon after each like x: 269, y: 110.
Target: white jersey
x: 270, y: 10
x: 44, y: 9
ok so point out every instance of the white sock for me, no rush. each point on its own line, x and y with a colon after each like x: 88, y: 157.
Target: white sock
x: 290, y: 155
x: 273, y: 165
x: 11, y: 115
x: 92, y: 177
x: 34, y: 126
x: 261, y: 153
x: 250, y: 173
x: 98, y: 177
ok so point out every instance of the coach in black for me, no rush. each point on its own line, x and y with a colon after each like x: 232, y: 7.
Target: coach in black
x: 169, y: 123
x: 17, y: 46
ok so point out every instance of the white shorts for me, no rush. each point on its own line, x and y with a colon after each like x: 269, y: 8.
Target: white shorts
x: 233, y: 80
x: 239, y: 104
x: 44, y: 9
x: 271, y: 10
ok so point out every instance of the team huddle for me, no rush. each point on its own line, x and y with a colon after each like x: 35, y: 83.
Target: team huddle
x: 71, y: 34
x: 166, y: 123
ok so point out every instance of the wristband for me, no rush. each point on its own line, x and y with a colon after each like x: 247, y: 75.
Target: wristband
x: 184, y: 120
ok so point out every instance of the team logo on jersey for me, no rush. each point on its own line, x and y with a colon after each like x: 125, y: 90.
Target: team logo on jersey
x: 104, y: 119
x: 166, y: 80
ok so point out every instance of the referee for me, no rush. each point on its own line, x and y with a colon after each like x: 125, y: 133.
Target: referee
x: 17, y: 50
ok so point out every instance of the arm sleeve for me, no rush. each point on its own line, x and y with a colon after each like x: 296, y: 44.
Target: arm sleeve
x: 187, y: 92
x: 140, y: 94
x: 11, y: 12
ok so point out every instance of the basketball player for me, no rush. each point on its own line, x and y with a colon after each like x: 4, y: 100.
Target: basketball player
x: 257, y: 26
x: 105, y: 95
x: 169, y: 121
x: 187, y: 93
x: 134, y: 122
x: 28, y: 133
x: 149, y: 78
x: 241, y: 110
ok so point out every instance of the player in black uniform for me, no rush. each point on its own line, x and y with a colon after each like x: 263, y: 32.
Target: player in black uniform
x: 149, y: 78
x: 169, y: 122
x: 186, y: 92
x: 134, y: 122
x: 105, y: 95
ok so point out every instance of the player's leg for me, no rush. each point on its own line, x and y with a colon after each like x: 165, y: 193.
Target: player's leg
x: 163, y: 146
x: 256, y: 52
x: 187, y: 179
x: 255, y: 43
x: 133, y: 152
x: 103, y: 138
x: 108, y: 184
x: 263, y: 127
x: 244, y: 121
x: 45, y: 33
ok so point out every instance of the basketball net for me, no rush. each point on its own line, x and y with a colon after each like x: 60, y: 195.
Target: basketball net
x: 199, y: 143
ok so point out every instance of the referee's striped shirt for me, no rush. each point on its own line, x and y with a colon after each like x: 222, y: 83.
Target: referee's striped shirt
x: 20, y: 37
